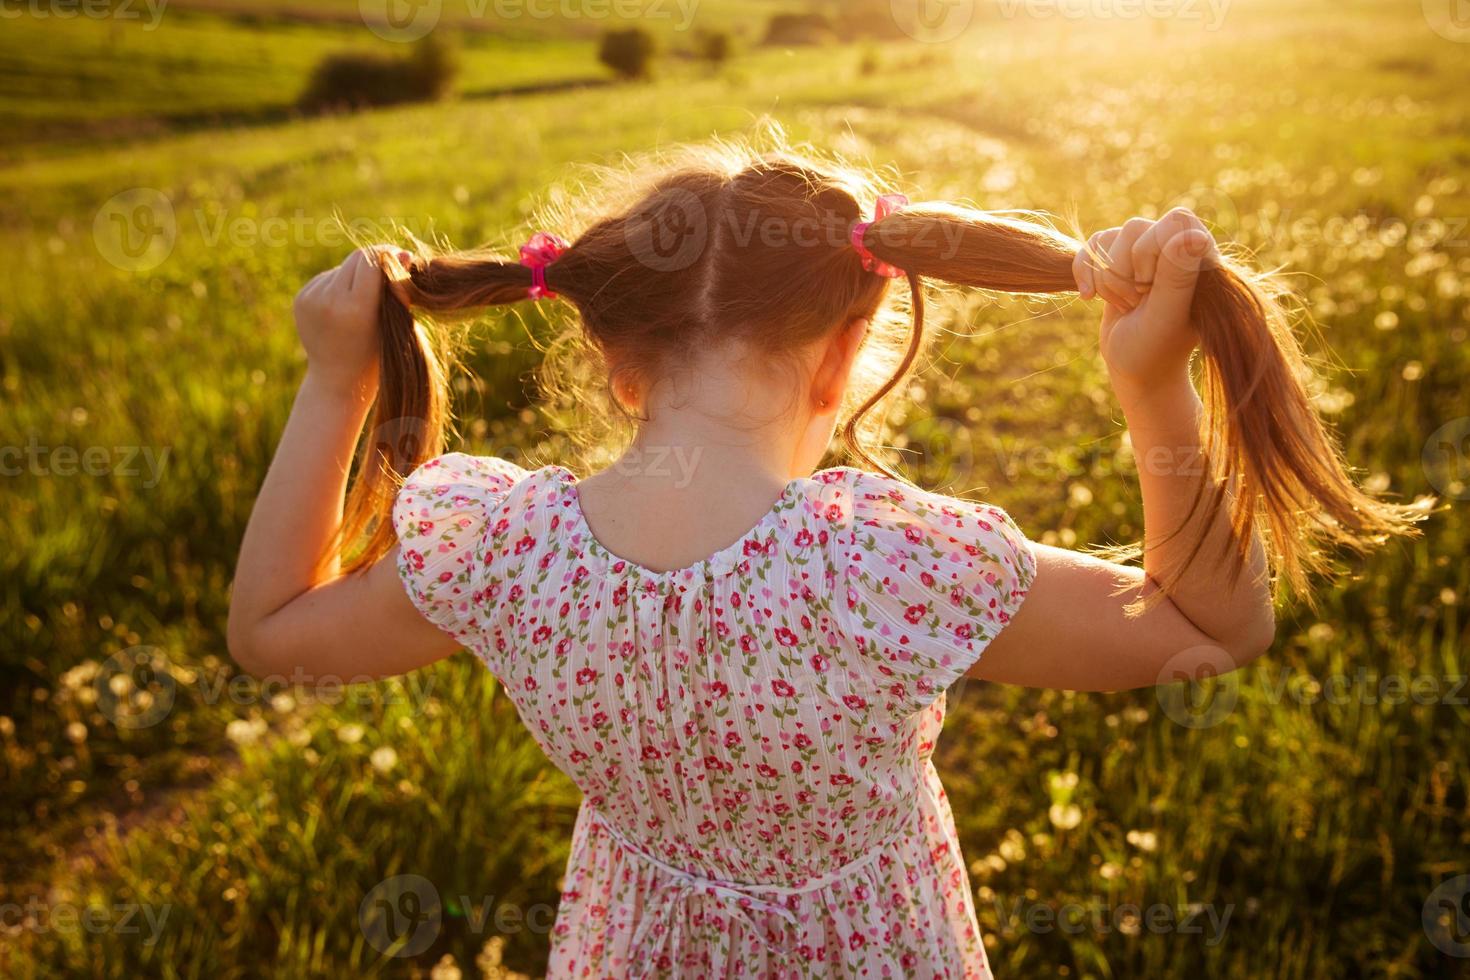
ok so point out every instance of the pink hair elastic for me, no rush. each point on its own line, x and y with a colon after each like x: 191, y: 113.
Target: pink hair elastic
x: 543, y: 249
x: 887, y: 204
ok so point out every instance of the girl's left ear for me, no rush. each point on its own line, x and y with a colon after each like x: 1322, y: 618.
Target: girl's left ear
x: 830, y: 380
x: 628, y: 394
x: 625, y: 389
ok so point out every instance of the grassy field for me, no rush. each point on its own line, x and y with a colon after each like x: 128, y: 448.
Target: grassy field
x: 1298, y: 829
x: 156, y: 67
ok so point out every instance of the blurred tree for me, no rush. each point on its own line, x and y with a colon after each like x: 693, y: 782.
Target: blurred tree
x: 714, y: 47
x: 432, y: 68
x: 352, y: 80
x: 629, y: 52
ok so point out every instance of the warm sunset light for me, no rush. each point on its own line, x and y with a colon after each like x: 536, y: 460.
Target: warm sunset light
x: 734, y: 488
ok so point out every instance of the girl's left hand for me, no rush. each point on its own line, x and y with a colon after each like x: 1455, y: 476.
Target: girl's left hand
x: 337, y: 318
x: 1145, y: 271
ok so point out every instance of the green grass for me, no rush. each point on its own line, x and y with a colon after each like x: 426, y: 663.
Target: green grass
x: 145, y: 71
x: 1322, y: 825
x: 109, y: 77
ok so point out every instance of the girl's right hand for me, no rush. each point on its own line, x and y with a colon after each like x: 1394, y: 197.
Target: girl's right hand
x: 337, y: 319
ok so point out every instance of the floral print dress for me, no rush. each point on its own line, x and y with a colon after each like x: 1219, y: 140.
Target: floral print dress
x: 752, y: 734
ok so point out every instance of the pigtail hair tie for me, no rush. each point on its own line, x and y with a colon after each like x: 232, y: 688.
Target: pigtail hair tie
x: 543, y: 249
x: 887, y: 204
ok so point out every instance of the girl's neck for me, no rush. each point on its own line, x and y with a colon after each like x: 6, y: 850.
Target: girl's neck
x: 696, y: 477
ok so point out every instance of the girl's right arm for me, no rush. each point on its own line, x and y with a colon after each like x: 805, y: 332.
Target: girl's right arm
x: 293, y: 612
x: 1081, y: 626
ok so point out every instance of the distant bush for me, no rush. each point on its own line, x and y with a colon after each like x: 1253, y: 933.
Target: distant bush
x: 433, y: 67
x: 629, y: 53
x: 798, y: 29
x: 713, y: 47
x: 352, y: 80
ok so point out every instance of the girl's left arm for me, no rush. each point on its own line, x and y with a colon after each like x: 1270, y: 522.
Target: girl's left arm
x: 292, y: 611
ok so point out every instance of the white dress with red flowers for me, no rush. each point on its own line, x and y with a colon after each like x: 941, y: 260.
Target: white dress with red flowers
x: 752, y: 734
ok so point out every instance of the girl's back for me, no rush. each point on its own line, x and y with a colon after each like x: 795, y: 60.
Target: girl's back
x: 752, y: 733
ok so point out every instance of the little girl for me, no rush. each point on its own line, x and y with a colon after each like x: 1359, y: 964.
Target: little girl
x: 739, y: 659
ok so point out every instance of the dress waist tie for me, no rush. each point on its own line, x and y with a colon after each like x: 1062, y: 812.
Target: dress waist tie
x: 734, y: 900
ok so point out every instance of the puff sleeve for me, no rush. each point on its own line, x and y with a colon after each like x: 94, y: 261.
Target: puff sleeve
x: 443, y: 516
x: 931, y: 580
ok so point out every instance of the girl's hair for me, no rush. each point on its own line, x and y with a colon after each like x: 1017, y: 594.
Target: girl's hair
x: 732, y: 243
